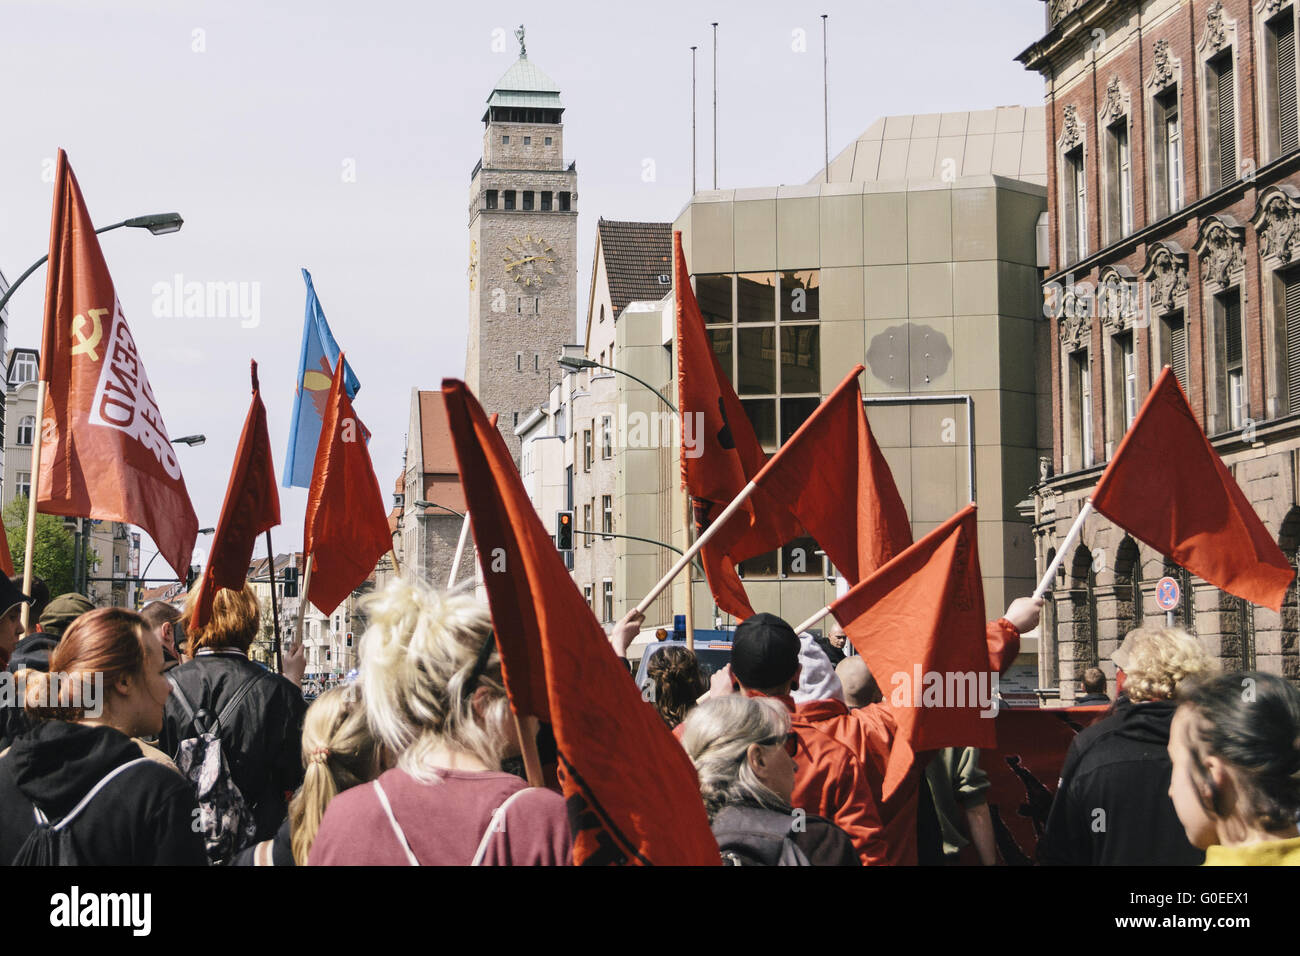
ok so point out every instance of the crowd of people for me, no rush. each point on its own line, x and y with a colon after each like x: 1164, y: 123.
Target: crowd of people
x: 134, y: 739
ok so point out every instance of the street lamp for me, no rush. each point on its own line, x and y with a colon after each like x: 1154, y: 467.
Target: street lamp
x: 419, y: 503
x: 145, y: 574
x: 192, y: 440
x: 159, y: 224
x: 573, y: 363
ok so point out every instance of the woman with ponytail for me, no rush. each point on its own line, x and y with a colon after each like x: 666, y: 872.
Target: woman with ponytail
x: 338, y: 752
x: 79, y: 771
x: 1235, y: 785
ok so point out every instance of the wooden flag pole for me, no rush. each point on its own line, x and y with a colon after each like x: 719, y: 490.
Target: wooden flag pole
x: 275, y: 605
x: 690, y: 576
x: 813, y: 620
x: 302, y: 598
x: 29, y: 548
x: 397, y: 568
x: 460, y: 550
x: 1075, y: 530
x: 527, y: 730
x: 694, y: 549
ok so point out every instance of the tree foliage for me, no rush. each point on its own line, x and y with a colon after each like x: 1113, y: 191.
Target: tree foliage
x: 53, y: 556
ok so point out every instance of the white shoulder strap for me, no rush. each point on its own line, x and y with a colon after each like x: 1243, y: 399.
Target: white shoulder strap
x: 67, y: 818
x: 496, y: 825
x: 392, y: 820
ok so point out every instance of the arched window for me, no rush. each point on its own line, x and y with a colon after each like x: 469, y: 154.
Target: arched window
x: 27, y: 430
x: 1083, y: 601
x: 1128, y: 587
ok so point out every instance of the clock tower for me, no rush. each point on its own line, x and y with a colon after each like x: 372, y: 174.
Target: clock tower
x: 523, y: 235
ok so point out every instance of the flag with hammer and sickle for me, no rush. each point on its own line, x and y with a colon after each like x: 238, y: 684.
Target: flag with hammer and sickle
x: 104, y: 449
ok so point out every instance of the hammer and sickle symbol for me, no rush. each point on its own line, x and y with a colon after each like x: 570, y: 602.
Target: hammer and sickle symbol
x: 86, y: 344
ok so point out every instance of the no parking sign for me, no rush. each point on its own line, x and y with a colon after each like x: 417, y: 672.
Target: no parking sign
x: 1167, y: 594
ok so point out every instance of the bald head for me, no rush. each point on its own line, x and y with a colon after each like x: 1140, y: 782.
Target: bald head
x: 859, y: 686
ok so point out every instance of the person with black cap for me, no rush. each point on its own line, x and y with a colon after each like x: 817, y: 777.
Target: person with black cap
x: 33, y: 650
x: 12, y: 600
x: 829, y: 780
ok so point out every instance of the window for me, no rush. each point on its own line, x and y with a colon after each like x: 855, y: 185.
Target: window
x: 528, y: 141
x: 117, y: 564
x: 491, y: 199
x: 528, y: 199
x: 1173, y: 345
x: 516, y: 419
x: 519, y: 361
x: 548, y: 141
x: 510, y: 199
x: 586, y: 449
x: 1080, y: 381
x: 26, y: 429
x: 24, y: 368
x: 1280, y: 84
x: 1126, y: 380
x: 586, y: 595
x: 1288, y: 315
x: 1168, y: 153
x: 1119, y: 182
x: 607, y: 516
x: 564, y: 202
x: 537, y: 362
x: 1231, y: 382
x: 547, y: 198
x: 1075, y: 207
x: 537, y: 305
x: 606, y: 438
x: 1220, y: 111
x: 505, y: 140
x: 23, y: 484
x: 586, y: 523
x: 607, y: 602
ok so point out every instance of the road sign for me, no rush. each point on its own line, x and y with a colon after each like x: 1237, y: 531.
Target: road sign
x: 1167, y: 594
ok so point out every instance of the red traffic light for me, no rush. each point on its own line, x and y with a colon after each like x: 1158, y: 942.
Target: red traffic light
x: 564, y: 519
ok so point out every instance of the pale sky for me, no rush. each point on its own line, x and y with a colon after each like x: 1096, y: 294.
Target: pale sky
x: 340, y: 137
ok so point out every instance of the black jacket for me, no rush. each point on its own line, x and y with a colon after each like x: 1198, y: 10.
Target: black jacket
x: 1112, y: 806
x: 33, y: 652
x: 263, y: 740
x: 142, y: 817
x: 756, y: 833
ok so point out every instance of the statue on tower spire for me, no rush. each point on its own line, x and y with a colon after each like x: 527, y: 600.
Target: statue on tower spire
x: 523, y: 50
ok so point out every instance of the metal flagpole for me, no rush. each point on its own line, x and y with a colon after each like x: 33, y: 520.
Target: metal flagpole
x: 715, y: 105
x: 826, y: 104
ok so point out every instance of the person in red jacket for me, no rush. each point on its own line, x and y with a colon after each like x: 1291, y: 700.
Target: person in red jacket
x: 866, y: 725
x: 829, y: 780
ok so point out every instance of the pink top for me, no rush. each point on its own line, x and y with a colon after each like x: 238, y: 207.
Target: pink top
x: 444, y: 823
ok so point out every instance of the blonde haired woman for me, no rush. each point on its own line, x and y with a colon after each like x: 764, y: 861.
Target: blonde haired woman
x: 744, y: 752
x: 1112, y: 806
x: 338, y: 753
x: 433, y: 696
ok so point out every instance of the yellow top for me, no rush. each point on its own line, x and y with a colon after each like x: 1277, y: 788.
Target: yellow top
x: 1264, y: 853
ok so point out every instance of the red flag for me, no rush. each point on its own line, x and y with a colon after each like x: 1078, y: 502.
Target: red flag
x: 346, y: 530
x: 252, y: 506
x: 104, y: 449
x: 633, y: 795
x: 720, y: 454
x: 1168, y: 487
x: 919, y: 624
x: 832, y: 475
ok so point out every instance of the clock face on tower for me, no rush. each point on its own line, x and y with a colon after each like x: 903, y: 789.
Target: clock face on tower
x: 529, y: 259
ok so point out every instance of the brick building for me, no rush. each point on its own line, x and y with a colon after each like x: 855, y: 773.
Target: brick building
x: 1174, y: 200
x: 523, y: 226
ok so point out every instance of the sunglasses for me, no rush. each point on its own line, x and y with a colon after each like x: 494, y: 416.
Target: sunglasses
x: 790, y: 740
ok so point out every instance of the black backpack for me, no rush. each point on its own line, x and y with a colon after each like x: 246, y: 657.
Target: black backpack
x: 51, y: 844
x: 225, y: 818
x: 751, y: 836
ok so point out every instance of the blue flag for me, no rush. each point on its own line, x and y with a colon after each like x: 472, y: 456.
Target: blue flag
x: 315, y: 371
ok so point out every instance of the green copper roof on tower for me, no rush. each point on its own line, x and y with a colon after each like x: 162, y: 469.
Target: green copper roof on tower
x: 524, y: 84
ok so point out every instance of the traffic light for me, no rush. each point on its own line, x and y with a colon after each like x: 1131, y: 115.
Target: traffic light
x: 291, y: 581
x: 564, y: 530
x: 191, y: 576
